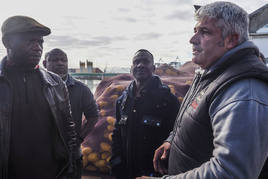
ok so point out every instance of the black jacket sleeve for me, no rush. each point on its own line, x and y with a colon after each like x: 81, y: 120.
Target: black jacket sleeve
x: 117, y: 162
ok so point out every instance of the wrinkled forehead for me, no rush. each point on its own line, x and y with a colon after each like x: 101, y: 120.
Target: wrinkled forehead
x: 57, y: 54
x: 207, y: 21
x: 142, y: 56
x: 26, y: 35
x: 210, y: 24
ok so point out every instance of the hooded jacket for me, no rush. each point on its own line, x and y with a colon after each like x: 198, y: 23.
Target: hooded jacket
x: 141, y: 126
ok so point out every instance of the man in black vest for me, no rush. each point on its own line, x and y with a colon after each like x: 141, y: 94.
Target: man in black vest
x: 221, y: 130
x: 145, y: 114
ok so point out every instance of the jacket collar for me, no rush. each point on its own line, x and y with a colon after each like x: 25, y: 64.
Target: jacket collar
x: 47, y: 78
x: 154, y: 83
x: 228, y: 55
x: 2, y: 64
x: 231, y: 57
x: 70, y: 81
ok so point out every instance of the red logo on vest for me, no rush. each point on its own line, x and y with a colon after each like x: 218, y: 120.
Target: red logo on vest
x: 194, y: 104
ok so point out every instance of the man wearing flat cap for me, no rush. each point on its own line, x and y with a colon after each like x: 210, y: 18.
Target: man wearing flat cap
x: 37, y: 134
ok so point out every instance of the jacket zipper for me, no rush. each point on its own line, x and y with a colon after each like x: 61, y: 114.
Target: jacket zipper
x: 26, y: 88
x: 192, y: 92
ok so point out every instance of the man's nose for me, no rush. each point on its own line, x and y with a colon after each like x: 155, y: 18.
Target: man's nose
x: 194, y: 39
x: 60, y: 61
x: 140, y: 64
x: 37, y: 46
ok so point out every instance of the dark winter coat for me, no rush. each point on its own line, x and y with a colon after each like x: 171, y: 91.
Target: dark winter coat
x: 142, y: 123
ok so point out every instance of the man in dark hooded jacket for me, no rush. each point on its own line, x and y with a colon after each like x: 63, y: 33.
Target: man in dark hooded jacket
x: 145, y: 114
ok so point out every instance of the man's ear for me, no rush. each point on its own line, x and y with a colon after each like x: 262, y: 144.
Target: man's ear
x: 231, y: 41
x: 6, y: 42
x: 45, y: 63
x: 153, y: 68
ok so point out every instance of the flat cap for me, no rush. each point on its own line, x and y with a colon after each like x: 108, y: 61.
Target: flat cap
x: 20, y: 24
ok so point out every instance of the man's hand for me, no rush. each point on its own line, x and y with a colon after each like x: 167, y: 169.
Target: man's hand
x: 161, y: 154
x: 143, y: 177
x: 87, y: 126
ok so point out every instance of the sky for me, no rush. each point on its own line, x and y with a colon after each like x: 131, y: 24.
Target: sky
x: 109, y: 32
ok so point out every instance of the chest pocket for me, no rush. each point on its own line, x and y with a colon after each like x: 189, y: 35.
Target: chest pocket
x: 151, y: 121
x: 152, y: 129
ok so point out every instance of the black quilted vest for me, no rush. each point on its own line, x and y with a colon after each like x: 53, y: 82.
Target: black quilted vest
x: 192, y: 143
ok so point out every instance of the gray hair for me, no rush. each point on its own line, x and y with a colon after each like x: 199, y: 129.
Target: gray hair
x: 231, y: 18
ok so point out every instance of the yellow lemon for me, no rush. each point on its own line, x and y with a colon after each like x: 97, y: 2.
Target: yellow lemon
x: 114, y: 97
x: 86, y: 150
x: 110, y: 136
x: 92, y: 157
x: 91, y: 168
x: 105, y: 147
x: 85, y: 161
x: 119, y: 88
x: 105, y: 155
x: 102, y: 104
x: 110, y: 127
x: 108, y: 89
x: 102, y: 112
x: 106, y: 134
x: 100, y: 163
x: 110, y: 120
x: 108, y: 159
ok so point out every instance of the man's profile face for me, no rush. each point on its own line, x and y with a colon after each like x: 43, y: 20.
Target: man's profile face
x: 142, y: 66
x: 57, y: 63
x: 26, y: 48
x: 207, y: 43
